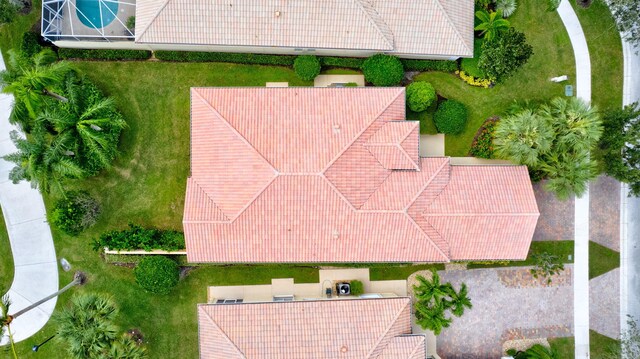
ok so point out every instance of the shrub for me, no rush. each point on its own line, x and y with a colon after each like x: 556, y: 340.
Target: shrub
x: 474, y: 81
x: 357, y: 287
x: 157, y: 274
x: 351, y: 84
x: 383, y: 70
x: 504, y: 55
x: 450, y: 117
x: 237, y: 58
x: 307, y: 67
x: 103, y: 54
x: 482, y: 145
x: 507, y: 7
x: 131, y: 22
x: 420, y: 95
x: 430, y: 65
x: 137, y: 237
x: 30, y: 44
x: 470, y: 65
x: 345, y: 62
x: 8, y: 11
x: 75, y: 213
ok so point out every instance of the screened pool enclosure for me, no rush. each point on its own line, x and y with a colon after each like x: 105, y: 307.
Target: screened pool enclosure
x: 106, y: 20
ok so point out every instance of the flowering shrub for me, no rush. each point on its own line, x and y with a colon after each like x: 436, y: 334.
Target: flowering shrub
x: 483, y: 142
x: 474, y: 81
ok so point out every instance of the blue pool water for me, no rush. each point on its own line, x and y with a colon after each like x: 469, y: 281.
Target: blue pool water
x: 89, y: 12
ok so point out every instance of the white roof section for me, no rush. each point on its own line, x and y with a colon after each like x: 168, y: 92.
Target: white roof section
x: 424, y: 27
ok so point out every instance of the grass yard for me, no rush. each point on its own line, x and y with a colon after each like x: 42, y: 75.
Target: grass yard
x: 598, y: 344
x: 601, y: 259
x: 560, y: 248
x: 6, y: 259
x: 605, y: 51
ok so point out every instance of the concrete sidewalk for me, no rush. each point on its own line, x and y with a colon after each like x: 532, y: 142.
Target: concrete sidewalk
x: 34, y: 256
x: 581, y: 223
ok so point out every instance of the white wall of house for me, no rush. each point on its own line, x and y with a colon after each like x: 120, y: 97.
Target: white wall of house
x: 84, y: 44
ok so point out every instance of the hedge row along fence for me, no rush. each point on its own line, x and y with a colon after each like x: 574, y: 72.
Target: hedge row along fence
x: 242, y: 58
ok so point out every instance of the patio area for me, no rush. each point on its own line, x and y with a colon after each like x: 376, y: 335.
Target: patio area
x: 286, y: 290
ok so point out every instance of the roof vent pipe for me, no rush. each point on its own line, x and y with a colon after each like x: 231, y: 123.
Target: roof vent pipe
x: 277, y: 13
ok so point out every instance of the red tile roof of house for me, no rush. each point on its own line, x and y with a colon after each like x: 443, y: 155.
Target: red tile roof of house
x: 350, y: 328
x: 289, y: 175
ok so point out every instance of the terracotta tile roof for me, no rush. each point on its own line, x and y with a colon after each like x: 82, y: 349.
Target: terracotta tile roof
x: 355, y: 328
x: 393, y: 148
x: 286, y: 175
x: 428, y: 27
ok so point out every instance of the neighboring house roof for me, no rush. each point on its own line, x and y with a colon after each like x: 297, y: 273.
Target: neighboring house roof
x: 425, y: 27
x: 289, y: 175
x: 350, y: 328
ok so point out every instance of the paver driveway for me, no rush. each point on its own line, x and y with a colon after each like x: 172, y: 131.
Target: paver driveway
x: 507, y: 304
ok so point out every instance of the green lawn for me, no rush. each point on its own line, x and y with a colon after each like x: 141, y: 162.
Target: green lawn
x: 605, y: 51
x: 552, y: 56
x: 601, y: 259
x: 564, y: 249
x: 598, y: 345
x: 6, y: 259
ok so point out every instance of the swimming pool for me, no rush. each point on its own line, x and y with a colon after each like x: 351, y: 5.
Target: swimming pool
x: 89, y: 12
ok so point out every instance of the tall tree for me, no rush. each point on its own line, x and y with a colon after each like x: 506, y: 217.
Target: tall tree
x: 523, y: 137
x: 626, y: 14
x: 459, y: 300
x: 491, y: 24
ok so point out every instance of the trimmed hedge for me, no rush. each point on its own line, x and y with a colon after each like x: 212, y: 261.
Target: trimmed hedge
x: 450, y: 117
x: 430, y: 65
x: 344, y: 62
x: 103, y: 54
x: 420, y: 95
x: 383, y: 70
x: 307, y: 67
x: 237, y: 58
x: 157, y: 274
x: 137, y: 237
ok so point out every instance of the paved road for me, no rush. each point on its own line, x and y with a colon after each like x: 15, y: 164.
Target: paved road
x: 34, y: 256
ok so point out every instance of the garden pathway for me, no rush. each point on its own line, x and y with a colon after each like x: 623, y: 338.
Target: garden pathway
x: 34, y: 256
x: 508, y: 304
x: 581, y: 222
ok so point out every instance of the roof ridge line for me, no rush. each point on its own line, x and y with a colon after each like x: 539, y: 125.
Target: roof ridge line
x: 153, y: 19
x: 346, y: 148
x: 335, y: 189
x: 417, y: 166
x: 423, y: 339
x: 509, y: 214
x: 226, y: 337
x: 426, y: 235
x: 455, y: 29
x: 415, y: 198
x: 417, y: 123
x: 384, y: 334
x: 254, y: 198
x: 211, y: 199
x: 390, y: 42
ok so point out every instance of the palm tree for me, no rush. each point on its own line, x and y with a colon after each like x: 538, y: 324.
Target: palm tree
x: 86, y: 326
x: 569, y: 173
x: 124, y: 348
x: 42, y: 160
x: 491, y: 24
x: 88, y: 126
x: 430, y: 290
x: 32, y: 81
x: 577, y: 125
x: 459, y: 300
x: 6, y: 319
x: 523, y: 137
x: 432, y: 316
x: 537, y: 351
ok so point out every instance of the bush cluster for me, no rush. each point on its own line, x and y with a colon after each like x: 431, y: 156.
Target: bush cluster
x: 383, y: 70
x: 420, y: 95
x: 157, y: 274
x: 450, y: 117
x: 307, y: 67
x: 75, y: 213
x: 430, y: 65
x: 30, y: 44
x: 474, y: 81
x: 357, y: 287
x: 103, y: 54
x: 136, y: 237
x: 237, y: 58
x: 482, y: 145
x: 345, y: 62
